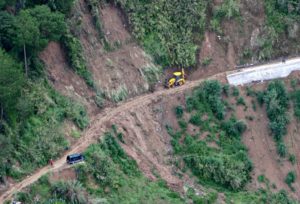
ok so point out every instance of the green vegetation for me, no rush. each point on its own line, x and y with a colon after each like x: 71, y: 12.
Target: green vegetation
x: 152, y: 73
x: 290, y: 178
x: 168, y: 29
x: 259, y: 197
x: 33, y: 135
x: 292, y: 159
x: 119, y: 94
x: 296, y: 100
x: 229, y: 9
x: 277, y: 101
x: 31, y: 112
x: 228, y: 165
x: 107, y: 176
x: 281, y: 15
x: 75, y: 57
x: 206, y: 61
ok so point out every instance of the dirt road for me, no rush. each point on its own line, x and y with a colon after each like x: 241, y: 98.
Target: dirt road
x: 97, y: 127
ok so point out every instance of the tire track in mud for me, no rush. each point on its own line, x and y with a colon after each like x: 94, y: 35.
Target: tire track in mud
x: 96, y: 127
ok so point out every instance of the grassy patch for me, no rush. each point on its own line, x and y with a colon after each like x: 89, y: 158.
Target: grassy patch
x: 107, y: 176
x: 119, y: 94
x: 38, y: 136
x: 227, y: 166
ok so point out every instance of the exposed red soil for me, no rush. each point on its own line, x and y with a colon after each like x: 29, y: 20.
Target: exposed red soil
x: 117, y: 68
x: 143, y: 126
x: 113, y: 25
x: 147, y: 141
x: 262, y: 148
x: 65, y: 174
x: 225, y: 49
x: 64, y: 79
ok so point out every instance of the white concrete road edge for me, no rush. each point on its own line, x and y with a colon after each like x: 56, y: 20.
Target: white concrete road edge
x: 263, y: 72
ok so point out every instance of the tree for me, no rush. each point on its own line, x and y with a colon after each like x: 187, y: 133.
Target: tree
x: 7, y: 29
x: 51, y: 24
x: 27, y: 34
x: 11, y: 81
x: 62, y: 6
x: 35, y: 27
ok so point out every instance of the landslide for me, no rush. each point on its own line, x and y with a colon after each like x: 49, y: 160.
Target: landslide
x: 122, y: 67
x: 97, y: 127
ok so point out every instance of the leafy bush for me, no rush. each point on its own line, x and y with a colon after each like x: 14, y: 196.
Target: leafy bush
x: 276, y: 99
x: 261, y: 178
x: 179, y: 111
x: 281, y: 149
x: 226, y: 89
x: 240, y: 101
x: 70, y: 191
x: 235, y: 91
x: 296, y: 101
x: 292, y: 158
x: 234, y: 128
x: 196, y: 119
x: 290, y: 178
x: 228, y: 166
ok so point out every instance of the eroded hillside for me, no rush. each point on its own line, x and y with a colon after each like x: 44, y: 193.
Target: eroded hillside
x: 211, y: 145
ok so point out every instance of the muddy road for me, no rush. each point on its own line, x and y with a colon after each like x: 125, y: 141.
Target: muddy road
x: 97, y: 127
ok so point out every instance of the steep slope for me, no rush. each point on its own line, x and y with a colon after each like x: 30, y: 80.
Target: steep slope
x: 120, y: 64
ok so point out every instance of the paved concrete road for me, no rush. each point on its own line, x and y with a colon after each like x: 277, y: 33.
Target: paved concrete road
x: 263, y: 72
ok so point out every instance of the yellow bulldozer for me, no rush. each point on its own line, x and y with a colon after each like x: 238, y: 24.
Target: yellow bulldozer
x: 177, y: 79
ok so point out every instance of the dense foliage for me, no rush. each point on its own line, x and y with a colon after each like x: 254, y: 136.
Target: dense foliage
x: 32, y: 113
x: 167, y: 29
x: 115, y: 178
x: 228, y: 165
x: 277, y: 101
x: 281, y: 18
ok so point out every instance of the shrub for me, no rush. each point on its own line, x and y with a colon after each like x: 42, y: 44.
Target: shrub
x: 196, y: 119
x: 260, y: 97
x: 250, y: 91
x: 276, y: 99
x: 119, y: 94
x: 294, y: 83
x: 206, y: 61
x: 290, y: 178
x: 241, y: 101
x: 292, y: 158
x: 226, y: 89
x: 71, y: 191
x: 234, y: 128
x: 235, y: 91
x: 281, y: 149
x: 152, y: 73
x: 182, y: 124
x: 261, y: 178
x: 179, y: 111
x: 75, y: 57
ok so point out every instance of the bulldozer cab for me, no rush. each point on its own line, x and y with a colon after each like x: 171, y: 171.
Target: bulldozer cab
x: 177, y: 79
